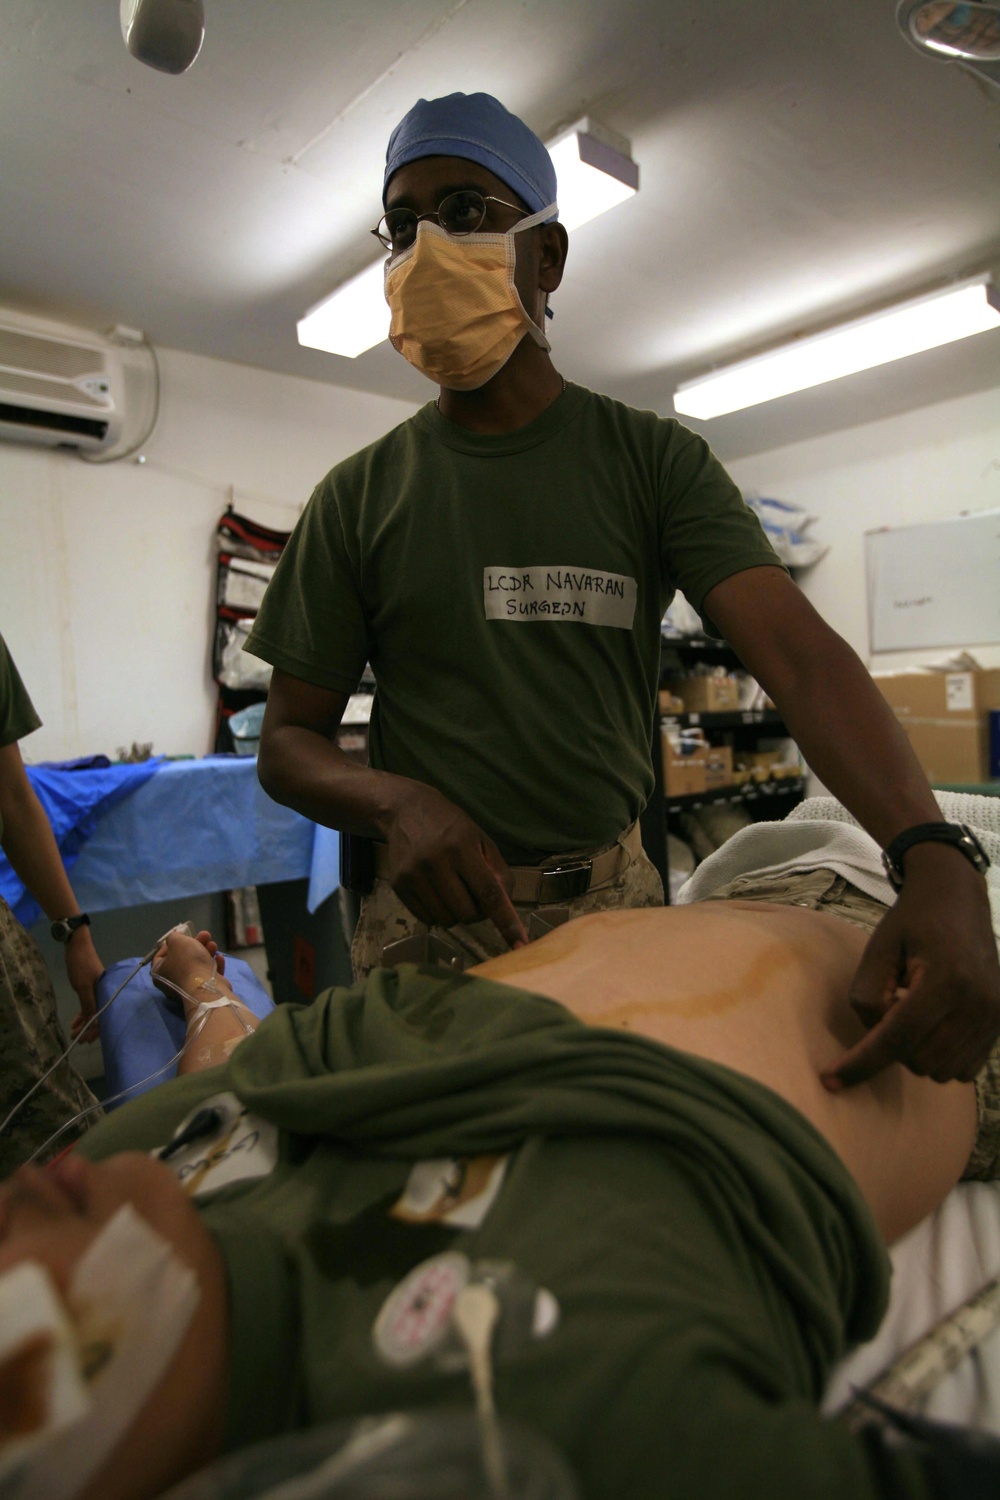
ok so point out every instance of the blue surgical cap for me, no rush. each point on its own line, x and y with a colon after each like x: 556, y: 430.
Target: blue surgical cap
x: 477, y: 128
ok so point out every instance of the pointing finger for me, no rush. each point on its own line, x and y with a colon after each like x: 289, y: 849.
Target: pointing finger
x: 892, y: 1040
x: 495, y: 901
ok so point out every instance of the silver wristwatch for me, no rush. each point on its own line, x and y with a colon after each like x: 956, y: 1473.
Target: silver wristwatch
x: 959, y: 835
x: 63, y: 929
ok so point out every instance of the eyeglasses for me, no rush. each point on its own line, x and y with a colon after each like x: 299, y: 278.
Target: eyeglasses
x: 458, y: 214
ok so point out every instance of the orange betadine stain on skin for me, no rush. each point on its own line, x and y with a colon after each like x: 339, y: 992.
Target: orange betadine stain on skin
x: 555, y: 946
x: 565, y: 943
x: 714, y: 1002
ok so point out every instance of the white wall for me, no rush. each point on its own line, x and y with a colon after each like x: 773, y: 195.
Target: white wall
x: 107, y: 572
x: 926, y: 465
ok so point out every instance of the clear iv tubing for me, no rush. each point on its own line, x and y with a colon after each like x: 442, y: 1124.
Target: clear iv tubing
x: 103, y: 1103
x: 181, y: 927
x: 188, y: 1041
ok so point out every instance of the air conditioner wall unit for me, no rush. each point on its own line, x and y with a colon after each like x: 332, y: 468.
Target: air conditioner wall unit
x: 59, y: 386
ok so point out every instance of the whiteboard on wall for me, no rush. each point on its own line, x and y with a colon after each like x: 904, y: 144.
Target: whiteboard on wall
x: 934, y: 585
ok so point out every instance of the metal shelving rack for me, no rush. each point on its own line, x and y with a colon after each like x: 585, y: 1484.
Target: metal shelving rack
x: 765, y: 801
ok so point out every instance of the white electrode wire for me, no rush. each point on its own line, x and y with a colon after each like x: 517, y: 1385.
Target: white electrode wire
x: 60, y: 1060
x: 103, y: 1104
x: 475, y: 1316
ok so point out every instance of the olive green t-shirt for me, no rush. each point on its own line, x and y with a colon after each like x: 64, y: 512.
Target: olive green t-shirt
x: 17, y: 712
x: 508, y: 592
x: 707, y: 1251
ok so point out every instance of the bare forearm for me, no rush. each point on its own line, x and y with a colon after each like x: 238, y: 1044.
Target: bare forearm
x: 928, y: 986
x: 215, y: 1041
x: 845, y: 728
x: 441, y: 864
x: 303, y: 769
x: 30, y: 845
x: 853, y: 741
x: 215, y: 1033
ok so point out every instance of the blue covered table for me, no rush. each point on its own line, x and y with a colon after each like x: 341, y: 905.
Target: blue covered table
x: 199, y: 826
x: 180, y: 829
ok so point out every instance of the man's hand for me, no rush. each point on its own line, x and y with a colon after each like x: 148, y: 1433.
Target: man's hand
x: 83, y: 970
x: 445, y: 868
x: 928, y: 984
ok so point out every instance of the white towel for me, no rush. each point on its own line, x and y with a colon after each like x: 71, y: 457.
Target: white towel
x: 822, y: 834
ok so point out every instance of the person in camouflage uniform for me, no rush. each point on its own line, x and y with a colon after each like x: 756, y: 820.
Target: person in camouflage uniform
x: 502, y: 561
x: 31, y: 1038
x: 386, y: 922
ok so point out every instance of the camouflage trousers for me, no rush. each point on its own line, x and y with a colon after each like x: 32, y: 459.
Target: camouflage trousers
x: 384, y: 919
x: 822, y: 890
x: 30, y: 1041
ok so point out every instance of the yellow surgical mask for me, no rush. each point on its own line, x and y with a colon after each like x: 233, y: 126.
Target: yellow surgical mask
x: 456, y: 313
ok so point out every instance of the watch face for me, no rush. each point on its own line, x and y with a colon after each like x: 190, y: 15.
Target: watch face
x: 63, y: 929
x: 975, y: 849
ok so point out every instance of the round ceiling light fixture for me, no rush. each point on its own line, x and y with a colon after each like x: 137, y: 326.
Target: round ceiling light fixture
x: 164, y: 34
x: 966, y: 33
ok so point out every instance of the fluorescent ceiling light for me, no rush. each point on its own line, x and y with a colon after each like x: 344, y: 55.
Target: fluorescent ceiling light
x: 352, y: 319
x: 924, y: 323
x: 594, y: 170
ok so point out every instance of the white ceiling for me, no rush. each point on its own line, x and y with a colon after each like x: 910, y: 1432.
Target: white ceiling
x: 799, y: 162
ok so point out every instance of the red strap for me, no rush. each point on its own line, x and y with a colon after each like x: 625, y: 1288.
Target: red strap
x: 64, y: 1152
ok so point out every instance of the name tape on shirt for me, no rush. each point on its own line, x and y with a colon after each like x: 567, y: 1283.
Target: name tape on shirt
x: 574, y: 594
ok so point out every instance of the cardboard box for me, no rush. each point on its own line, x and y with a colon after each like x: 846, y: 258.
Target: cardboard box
x: 718, y: 766
x: 683, y: 774
x: 946, y: 719
x: 708, y: 695
x: 762, y: 758
x: 670, y: 703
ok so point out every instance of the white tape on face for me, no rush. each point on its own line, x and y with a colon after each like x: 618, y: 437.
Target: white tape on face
x: 42, y: 1388
x: 99, y: 1353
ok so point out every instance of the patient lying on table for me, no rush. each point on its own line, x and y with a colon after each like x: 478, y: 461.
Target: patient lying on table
x: 625, y: 1117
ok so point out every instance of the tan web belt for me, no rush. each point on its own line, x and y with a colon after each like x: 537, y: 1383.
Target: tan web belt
x: 548, y: 884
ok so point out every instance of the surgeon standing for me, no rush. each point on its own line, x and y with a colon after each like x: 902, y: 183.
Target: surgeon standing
x: 503, y: 559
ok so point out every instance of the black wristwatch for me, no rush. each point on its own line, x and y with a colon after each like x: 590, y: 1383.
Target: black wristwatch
x: 957, y: 834
x: 64, y: 929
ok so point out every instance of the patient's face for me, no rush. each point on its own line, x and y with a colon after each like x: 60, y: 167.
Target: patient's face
x: 52, y: 1215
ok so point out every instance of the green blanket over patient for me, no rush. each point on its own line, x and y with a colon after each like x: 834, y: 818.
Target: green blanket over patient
x: 710, y: 1256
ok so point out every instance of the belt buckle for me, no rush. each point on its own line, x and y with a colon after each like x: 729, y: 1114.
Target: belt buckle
x: 570, y: 880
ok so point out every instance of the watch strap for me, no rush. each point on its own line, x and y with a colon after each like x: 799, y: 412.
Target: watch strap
x: 63, y: 929
x: 959, y: 835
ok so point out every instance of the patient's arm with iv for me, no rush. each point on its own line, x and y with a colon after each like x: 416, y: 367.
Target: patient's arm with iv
x: 217, y: 1021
